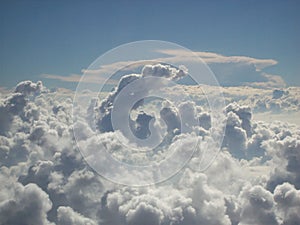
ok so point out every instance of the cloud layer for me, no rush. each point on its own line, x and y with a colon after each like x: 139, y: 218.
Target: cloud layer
x: 44, y: 179
x: 229, y: 70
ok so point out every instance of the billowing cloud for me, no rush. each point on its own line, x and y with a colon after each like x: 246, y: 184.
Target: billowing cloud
x: 45, y: 180
x: 66, y: 216
x: 257, y: 207
x: 285, y: 148
x: 23, y: 204
x: 28, y: 87
x: 141, y: 89
x: 288, y: 203
x: 166, y: 71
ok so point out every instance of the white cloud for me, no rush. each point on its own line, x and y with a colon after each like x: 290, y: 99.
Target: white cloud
x: 28, y: 87
x: 288, y: 200
x: 285, y: 152
x: 166, y: 71
x: 272, y: 81
x: 258, y: 207
x: 45, y: 180
x: 75, y: 78
x: 210, y: 57
x: 23, y: 204
x: 229, y: 70
x: 67, y: 216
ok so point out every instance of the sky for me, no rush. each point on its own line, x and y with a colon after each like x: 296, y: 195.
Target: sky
x: 62, y: 38
x: 149, y: 151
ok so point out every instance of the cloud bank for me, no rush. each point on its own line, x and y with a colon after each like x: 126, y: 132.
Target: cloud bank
x: 44, y: 179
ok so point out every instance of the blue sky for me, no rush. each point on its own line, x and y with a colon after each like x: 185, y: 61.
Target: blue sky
x: 62, y: 38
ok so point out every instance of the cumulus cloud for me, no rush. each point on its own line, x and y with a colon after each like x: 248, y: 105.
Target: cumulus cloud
x: 28, y: 87
x: 264, y: 104
x: 167, y: 71
x: 23, y: 204
x: 257, y: 207
x: 238, y: 129
x: 235, y: 136
x: 67, y: 216
x: 142, y: 122
x: 288, y: 200
x: 285, y: 149
x: 45, y: 180
x: 192, y: 201
x: 12, y: 105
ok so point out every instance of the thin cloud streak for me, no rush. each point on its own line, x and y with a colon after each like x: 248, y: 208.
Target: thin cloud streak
x: 76, y: 78
x: 210, y: 57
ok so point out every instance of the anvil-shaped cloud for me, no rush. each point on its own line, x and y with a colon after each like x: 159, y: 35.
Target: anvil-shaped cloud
x: 229, y: 70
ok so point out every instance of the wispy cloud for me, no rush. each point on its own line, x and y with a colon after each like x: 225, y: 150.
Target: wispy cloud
x: 77, y: 78
x: 210, y: 57
x: 231, y: 70
x: 273, y: 81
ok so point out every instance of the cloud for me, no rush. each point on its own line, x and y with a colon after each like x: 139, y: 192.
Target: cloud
x: 166, y: 71
x: 285, y: 148
x: 191, y: 202
x: 244, y: 114
x: 235, y: 136
x: 75, y: 78
x: 271, y: 81
x: 229, y: 70
x: 210, y: 58
x: 45, y: 180
x: 83, y: 191
x: 23, y: 204
x: 258, y: 207
x: 140, y: 89
x: 66, y: 216
x: 238, y: 129
x: 288, y: 200
x: 262, y: 103
x: 27, y: 87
